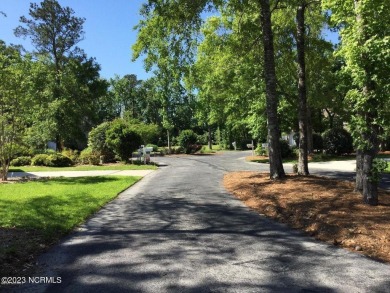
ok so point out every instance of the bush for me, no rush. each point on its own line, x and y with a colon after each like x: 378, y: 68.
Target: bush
x: 318, y: 142
x: 193, y: 148
x: 177, y: 150
x: 337, y: 141
x: 285, y: 149
x: 39, y: 160
x: 89, y: 157
x: 58, y: 160
x: 203, y: 139
x: 186, y: 139
x: 122, y: 140
x: 260, y: 151
x: 155, y: 147
x: 21, y: 161
x: 97, y: 141
x: 71, y: 154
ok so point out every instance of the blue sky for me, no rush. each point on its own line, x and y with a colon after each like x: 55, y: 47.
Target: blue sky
x: 108, y: 28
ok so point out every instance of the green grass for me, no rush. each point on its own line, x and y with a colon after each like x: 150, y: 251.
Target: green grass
x: 83, y: 168
x: 56, y: 206
x: 206, y: 150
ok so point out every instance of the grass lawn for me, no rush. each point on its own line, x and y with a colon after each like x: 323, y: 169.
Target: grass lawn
x: 35, y: 214
x: 57, y: 205
x: 215, y: 148
x: 83, y: 168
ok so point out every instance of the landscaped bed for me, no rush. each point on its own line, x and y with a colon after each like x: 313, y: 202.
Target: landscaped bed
x: 326, y: 209
x: 35, y: 214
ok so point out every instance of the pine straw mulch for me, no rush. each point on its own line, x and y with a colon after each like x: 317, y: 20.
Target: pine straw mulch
x: 327, y: 209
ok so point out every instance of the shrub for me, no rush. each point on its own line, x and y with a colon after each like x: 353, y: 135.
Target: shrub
x: 122, y: 140
x: 50, y: 152
x: 285, y: 149
x: 58, y: 160
x: 203, y: 139
x: 337, y: 141
x: 260, y: 151
x: 97, y: 141
x: 193, y: 148
x: 39, y: 160
x: 155, y: 147
x: 21, y: 161
x: 318, y: 142
x: 187, y: 138
x: 71, y: 154
x: 177, y: 150
x: 89, y: 157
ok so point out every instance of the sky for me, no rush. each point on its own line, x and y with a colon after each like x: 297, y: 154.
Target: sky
x: 108, y: 29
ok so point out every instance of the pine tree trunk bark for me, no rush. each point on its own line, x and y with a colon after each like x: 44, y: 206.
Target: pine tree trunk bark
x: 310, y: 148
x: 303, y: 168
x: 275, y: 157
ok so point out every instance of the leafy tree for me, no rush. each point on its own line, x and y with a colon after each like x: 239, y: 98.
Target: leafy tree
x: 365, y: 36
x: 125, y: 94
x: 55, y: 32
x: 14, y: 102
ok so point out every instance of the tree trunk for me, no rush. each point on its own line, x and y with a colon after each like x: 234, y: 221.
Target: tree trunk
x: 310, y: 148
x: 4, y: 171
x: 169, y: 144
x: 303, y: 168
x: 367, y: 183
x: 209, y: 138
x: 370, y: 187
x: 275, y: 157
x: 359, y: 171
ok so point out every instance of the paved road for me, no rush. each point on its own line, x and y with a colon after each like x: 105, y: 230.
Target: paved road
x: 178, y: 230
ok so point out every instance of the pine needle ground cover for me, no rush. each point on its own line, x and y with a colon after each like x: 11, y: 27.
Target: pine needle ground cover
x: 35, y: 214
x: 327, y: 209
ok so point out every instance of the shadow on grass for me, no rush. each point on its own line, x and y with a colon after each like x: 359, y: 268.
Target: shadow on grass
x: 79, y: 180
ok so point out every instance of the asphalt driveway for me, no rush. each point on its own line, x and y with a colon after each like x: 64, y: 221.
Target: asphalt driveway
x: 178, y: 230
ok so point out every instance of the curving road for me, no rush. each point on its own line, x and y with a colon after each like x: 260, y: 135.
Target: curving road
x: 178, y: 230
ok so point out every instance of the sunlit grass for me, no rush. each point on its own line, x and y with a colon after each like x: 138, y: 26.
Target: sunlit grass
x: 56, y: 206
